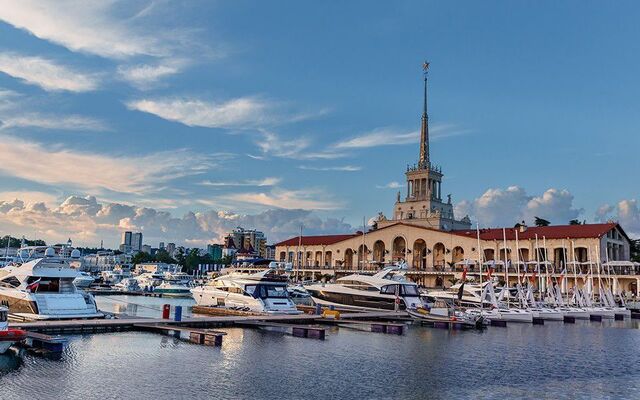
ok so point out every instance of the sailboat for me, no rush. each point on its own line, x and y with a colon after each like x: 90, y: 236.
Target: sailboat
x: 591, y: 306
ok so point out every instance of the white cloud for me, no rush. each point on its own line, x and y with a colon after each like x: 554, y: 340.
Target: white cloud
x: 46, y: 73
x: 89, y: 26
x: 626, y: 212
x: 271, y: 181
x: 43, y: 121
x: 391, y: 185
x: 55, y: 165
x: 379, y: 137
x: 145, y: 75
x: 87, y: 221
x: 346, y: 168
x: 505, y: 207
x: 392, y: 137
x: 299, y: 148
x: 242, y: 112
x: 287, y: 199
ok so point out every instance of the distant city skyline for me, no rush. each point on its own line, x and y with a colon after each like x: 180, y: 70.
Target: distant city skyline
x: 184, y: 121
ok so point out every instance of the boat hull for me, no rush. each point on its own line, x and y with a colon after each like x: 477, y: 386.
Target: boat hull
x: 548, y: 315
x: 514, y: 315
x: 216, y: 298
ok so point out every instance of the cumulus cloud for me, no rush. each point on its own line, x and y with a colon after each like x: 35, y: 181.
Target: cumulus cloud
x: 505, y: 207
x: 46, y: 73
x: 82, y: 169
x: 626, y: 212
x: 87, y: 221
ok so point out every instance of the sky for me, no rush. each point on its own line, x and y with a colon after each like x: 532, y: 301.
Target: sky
x: 186, y: 119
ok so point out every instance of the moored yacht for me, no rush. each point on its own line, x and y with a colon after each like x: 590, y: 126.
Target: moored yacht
x: 127, y: 285
x: 84, y: 280
x: 8, y: 336
x: 263, y: 292
x: 43, y: 289
x: 173, y: 289
x: 388, y: 289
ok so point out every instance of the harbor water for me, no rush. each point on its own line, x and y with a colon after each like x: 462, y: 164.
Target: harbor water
x: 556, y: 360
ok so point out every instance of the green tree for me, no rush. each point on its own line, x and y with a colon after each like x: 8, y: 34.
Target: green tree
x: 142, y: 257
x: 180, y: 256
x: 163, y: 256
x: 575, y: 222
x: 15, y: 242
x: 541, y: 222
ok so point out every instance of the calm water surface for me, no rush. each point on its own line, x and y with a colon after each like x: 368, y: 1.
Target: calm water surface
x: 585, y: 360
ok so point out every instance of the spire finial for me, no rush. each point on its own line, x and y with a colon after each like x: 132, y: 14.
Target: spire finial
x: 423, y: 162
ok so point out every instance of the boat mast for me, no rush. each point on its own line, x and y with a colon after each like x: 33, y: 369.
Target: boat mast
x: 518, y: 271
x: 592, y: 294
x: 538, y: 268
x: 563, y: 272
x: 599, y: 276
x: 506, y: 266
x: 364, y: 253
x: 575, y: 275
x: 546, y: 266
x: 298, y: 252
x: 479, y: 266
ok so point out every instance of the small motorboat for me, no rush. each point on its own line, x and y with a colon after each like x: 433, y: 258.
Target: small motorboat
x: 8, y: 336
x: 443, y: 313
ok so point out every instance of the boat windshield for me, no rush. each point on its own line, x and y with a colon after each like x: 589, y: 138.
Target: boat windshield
x: 264, y: 291
x: 404, y: 290
x: 3, y: 316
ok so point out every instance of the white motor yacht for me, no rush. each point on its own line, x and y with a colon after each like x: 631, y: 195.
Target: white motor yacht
x: 263, y: 292
x: 149, y: 280
x: 84, y: 280
x: 127, y: 285
x: 43, y: 289
x: 388, y: 289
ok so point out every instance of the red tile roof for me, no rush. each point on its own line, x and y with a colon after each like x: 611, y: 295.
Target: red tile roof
x: 316, y: 240
x: 549, y: 232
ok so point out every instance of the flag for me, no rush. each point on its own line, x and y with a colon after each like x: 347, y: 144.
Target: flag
x: 33, y: 286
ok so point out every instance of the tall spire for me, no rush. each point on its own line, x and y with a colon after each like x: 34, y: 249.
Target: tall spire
x: 423, y: 162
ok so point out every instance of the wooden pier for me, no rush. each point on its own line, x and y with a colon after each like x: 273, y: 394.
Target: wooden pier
x: 199, y: 329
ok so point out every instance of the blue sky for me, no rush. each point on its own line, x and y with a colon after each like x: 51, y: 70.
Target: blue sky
x: 166, y: 110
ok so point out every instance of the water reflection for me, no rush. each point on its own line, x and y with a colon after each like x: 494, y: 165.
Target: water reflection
x: 10, y: 361
x: 554, y: 360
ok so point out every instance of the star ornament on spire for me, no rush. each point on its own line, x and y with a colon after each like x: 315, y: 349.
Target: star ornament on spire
x: 425, y: 66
